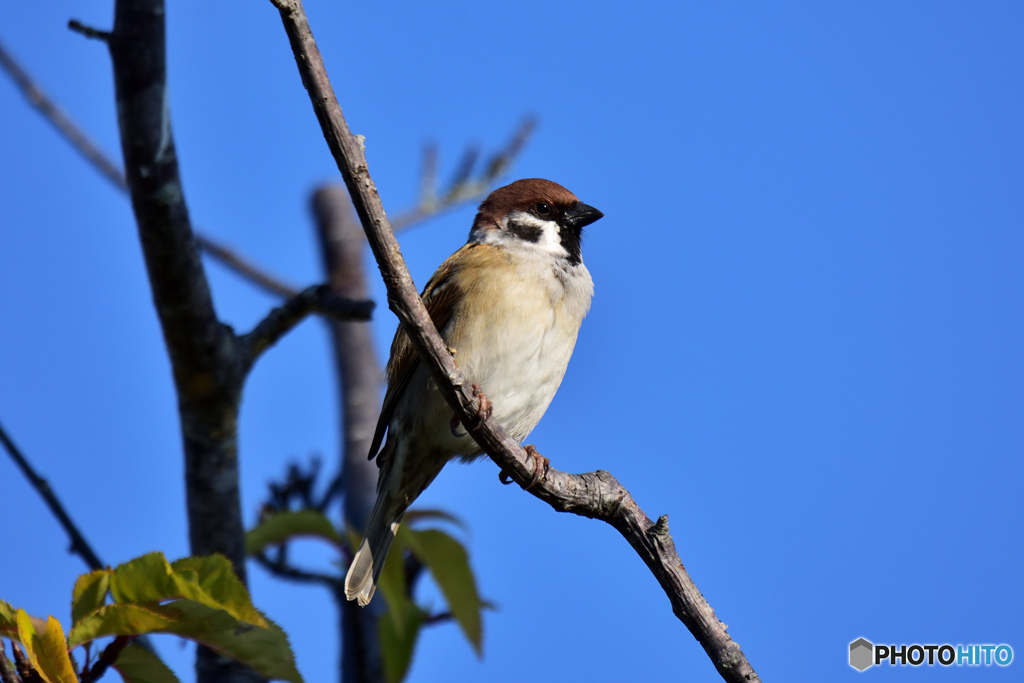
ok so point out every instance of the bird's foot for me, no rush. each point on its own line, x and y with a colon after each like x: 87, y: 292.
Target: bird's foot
x: 541, y: 465
x: 485, y: 408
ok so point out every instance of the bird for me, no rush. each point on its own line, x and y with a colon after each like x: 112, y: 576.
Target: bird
x: 509, y: 305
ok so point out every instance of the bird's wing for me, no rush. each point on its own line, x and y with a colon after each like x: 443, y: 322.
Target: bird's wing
x: 439, y: 296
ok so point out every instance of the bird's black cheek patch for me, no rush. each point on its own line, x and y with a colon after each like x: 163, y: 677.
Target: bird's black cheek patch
x: 524, y: 231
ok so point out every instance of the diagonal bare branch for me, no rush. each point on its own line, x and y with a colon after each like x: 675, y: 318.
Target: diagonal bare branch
x: 596, y: 495
x: 79, y: 545
x: 430, y: 204
x: 60, y: 120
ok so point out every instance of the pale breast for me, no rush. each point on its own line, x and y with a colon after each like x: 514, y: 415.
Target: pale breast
x: 522, y: 343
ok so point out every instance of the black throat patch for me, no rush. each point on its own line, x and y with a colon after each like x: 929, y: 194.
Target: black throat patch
x: 571, y: 238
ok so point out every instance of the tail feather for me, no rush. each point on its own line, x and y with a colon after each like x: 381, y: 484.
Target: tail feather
x: 361, y: 580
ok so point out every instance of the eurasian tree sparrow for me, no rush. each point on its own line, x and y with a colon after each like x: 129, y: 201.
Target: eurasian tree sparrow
x: 509, y: 306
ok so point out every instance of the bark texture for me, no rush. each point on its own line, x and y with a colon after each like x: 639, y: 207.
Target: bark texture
x: 208, y: 374
x: 208, y: 361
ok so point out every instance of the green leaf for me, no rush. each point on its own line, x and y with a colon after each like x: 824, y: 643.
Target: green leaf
x: 264, y: 649
x: 8, y: 618
x: 397, y: 644
x: 139, y: 665
x: 449, y: 564
x: 418, y: 514
x: 89, y: 594
x: 215, y: 576
x: 287, y: 525
x: 209, y: 580
x: 144, y: 579
x: 391, y: 585
x: 121, y: 620
x: 48, y: 652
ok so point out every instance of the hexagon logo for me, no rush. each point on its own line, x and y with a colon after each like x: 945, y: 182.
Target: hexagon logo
x: 861, y: 652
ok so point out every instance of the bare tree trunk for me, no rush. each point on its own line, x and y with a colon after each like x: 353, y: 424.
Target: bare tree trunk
x: 343, y: 243
x: 208, y: 371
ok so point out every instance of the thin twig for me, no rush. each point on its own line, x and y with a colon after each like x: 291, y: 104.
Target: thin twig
x: 287, y: 571
x: 61, y: 121
x: 88, y: 31
x: 439, y: 618
x: 464, y: 187
x: 282, y: 319
x: 112, y: 172
x: 596, y: 495
x: 239, y: 265
x: 429, y: 205
x: 106, y: 659
x: 79, y: 546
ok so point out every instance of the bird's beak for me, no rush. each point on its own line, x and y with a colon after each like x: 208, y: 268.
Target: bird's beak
x: 580, y: 215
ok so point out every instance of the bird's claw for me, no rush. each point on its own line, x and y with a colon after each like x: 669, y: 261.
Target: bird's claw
x: 485, y: 408
x: 541, y: 465
x: 504, y: 478
x: 454, y: 425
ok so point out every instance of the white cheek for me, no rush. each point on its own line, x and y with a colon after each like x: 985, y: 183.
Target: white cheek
x: 550, y: 241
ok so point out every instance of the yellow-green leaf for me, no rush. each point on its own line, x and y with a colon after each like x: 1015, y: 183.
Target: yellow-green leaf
x: 264, y: 649
x: 48, y: 652
x: 8, y: 618
x: 139, y: 665
x: 89, y: 594
x: 398, y: 644
x: 215, y: 577
x: 287, y: 525
x: 208, y: 580
x: 449, y: 564
x: 144, y: 579
x: 121, y: 620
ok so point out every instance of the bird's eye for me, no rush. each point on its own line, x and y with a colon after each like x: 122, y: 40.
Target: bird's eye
x: 542, y: 209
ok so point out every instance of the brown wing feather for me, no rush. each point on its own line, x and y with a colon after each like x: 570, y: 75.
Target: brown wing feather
x: 439, y: 296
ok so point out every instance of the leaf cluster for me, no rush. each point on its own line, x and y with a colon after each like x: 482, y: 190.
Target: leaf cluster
x: 198, y: 598
x: 413, y: 550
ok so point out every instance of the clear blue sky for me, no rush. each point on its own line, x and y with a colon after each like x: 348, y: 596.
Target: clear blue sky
x: 806, y: 345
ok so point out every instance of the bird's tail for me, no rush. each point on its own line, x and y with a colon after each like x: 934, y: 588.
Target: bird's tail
x: 361, y: 580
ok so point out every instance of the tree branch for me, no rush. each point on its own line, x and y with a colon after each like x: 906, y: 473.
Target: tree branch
x: 79, y: 545
x: 286, y: 571
x: 596, y: 495
x: 25, y: 669
x: 109, y: 655
x: 7, y: 674
x: 110, y: 170
x: 61, y: 121
x: 207, y: 360
x: 282, y: 319
x: 88, y: 31
x: 430, y: 203
x: 464, y: 187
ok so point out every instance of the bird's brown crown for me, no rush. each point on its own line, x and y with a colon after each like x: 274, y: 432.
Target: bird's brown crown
x: 522, y: 195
